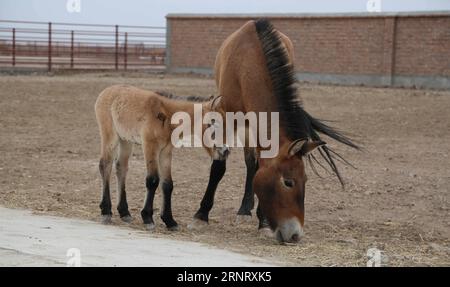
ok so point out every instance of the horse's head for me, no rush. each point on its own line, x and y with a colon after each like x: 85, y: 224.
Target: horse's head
x: 280, y: 186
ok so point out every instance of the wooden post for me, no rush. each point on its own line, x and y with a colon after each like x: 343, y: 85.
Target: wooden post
x: 14, y: 47
x: 125, y: 51
x: 49, y: 46
x: 71, y: 48
x: 117, y: 48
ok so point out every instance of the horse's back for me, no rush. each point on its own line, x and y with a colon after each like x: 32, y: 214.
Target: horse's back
x: 133, y: 97
x: 126, y: 111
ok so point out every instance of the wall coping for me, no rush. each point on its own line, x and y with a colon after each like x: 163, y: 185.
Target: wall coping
x: 309, y: 15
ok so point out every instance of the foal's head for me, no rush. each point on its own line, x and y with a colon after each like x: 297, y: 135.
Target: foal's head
x: 213, y: 115
x: 280, y: 186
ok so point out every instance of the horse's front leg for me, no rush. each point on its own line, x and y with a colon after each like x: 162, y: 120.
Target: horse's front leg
x: 218, y: 168
x: 165, y: 162
x: 248, y: 201
x: 263, y: 226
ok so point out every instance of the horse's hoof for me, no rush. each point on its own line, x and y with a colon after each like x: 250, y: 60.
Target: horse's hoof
x: 127, y: 219
x: 150, y: 226
x: 106, y: 219
x: 266, y: 232
x: 243, y: 218
x: 173, y: 228
x: 197, y: 224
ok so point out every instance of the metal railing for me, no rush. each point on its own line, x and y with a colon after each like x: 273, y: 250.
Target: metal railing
x: 80, y: 46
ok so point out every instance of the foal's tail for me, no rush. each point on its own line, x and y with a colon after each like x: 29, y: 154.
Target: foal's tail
x: 294, y: 119
x: 105, y: 122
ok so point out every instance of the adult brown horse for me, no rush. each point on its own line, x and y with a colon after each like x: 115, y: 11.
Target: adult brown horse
x: 254, y: 73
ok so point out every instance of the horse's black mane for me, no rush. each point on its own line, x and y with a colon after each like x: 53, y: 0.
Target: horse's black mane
x: 168, y: 95
x: 297, y: 122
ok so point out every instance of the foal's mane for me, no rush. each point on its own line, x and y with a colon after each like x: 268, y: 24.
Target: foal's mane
x: 171, y: 96
x: 296, y: 121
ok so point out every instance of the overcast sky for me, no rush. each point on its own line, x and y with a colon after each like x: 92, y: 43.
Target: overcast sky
x: 152, y: 12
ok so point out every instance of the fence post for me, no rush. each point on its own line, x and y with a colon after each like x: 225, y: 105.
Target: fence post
x: 125, y: 59
x: 71, y: 48
x: 49, y: 46
x: 117, y: 48
x: 14, y: 47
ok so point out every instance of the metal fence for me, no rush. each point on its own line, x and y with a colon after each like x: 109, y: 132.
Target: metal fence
x: 80, y: 46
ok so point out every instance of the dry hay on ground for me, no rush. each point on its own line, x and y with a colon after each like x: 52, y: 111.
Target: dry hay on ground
x: 397, y: 200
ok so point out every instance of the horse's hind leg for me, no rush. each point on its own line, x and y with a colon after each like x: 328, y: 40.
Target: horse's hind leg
x: 151, y: 182
x: 105, y: 167
x: 125, y: 149
x: 166, y: 184
x: 248, y: 201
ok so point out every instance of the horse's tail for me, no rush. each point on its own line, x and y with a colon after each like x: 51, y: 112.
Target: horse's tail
x: 325, y: 129
x: 297, y: 122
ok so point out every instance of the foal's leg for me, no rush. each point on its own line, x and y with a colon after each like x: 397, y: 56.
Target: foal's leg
x: 125, y: 149
x: 248, y: 201
x: 166, y: 185
x: 105, y: 167
x: 151, y: 182
x: 218, y: 168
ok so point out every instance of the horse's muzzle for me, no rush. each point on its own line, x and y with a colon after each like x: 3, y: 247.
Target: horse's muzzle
x: 289, y: 231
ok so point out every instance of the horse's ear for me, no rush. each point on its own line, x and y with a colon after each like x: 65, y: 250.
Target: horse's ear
x: 296, y: 146
x: 215, y: 104
x: 303, y: 146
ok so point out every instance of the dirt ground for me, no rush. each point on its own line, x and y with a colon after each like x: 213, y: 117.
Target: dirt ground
x: 397, y: 200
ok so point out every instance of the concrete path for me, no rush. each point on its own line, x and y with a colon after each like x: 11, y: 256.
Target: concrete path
x: 35, y: 240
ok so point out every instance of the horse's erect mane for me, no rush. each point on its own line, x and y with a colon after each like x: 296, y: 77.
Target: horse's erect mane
x: 297, y: 123
x: 171, y: 96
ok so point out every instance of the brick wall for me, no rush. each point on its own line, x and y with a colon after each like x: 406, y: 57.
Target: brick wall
x: 370, y: 49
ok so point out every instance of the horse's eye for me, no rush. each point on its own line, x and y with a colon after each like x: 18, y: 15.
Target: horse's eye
x: 288, y: 182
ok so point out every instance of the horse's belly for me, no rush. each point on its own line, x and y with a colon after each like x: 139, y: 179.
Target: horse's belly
x: 130, y: 133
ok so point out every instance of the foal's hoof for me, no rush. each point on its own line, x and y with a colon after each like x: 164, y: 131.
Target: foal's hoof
x: 106, y: 219
x: 150, y: 226
x: 197, y: 224
x: 173, y: 228
x: 243, y: 218
x: 127, y: 219
x: 266, y: 232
